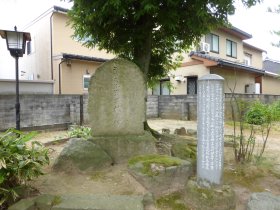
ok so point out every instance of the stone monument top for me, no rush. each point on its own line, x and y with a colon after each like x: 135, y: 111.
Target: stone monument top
x: 117, y: 99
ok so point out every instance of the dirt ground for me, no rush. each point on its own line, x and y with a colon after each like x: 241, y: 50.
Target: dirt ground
x: 116, y: 179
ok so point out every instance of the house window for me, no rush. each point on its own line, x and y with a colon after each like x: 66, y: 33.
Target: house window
x: 192, y: 85
x: 231, y: 49
x: 247, y: 59
x: 213, y: 40
x: 86, y: 79
x: 162, y: 88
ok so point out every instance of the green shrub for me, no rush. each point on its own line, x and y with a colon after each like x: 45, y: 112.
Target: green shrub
x: 19, y: 162
x: 80, y: 132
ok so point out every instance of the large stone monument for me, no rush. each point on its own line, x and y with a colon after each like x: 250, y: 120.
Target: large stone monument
x: 117, y: 110
x: 210, y: 130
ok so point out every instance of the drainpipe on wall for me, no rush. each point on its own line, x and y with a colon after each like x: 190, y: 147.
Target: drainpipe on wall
x: 59, y: 76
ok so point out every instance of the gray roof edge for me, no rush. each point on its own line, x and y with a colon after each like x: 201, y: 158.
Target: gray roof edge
x: 82, y: 57
x: 228, y: 63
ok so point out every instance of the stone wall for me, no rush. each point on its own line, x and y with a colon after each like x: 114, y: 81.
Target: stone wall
x: 56, y: 111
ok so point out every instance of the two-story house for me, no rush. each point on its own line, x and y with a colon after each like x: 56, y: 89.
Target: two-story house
x: 225, y: 53
x: 53, y: 54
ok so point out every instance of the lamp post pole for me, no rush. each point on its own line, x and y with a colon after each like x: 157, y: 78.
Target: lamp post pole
x: 16, y: 41
x: 17, y: 106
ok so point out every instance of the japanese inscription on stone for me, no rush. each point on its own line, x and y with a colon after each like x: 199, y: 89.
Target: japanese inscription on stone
x: 210, y: 122
x: 117, y: 99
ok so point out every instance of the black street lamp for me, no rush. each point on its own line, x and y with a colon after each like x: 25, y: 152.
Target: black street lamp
x: 16, y: 42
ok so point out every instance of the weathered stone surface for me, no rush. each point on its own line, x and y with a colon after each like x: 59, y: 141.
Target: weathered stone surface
x: 82, y: 155
x: 117, y: 99
x: 100, y: 202
x: 263, y: 201
x: 162, y: 179
x: 219, y: 198
x: 121, y: 148
x: 180, y: 131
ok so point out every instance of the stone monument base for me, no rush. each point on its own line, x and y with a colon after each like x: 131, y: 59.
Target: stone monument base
x: 122, y: 148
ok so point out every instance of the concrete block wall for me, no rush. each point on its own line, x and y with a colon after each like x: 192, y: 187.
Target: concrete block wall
x: 40, y: 110
x: 54, y: 111
x: 152, y: 106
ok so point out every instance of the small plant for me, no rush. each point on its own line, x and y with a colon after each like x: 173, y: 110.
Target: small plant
x: 19, y: 163
x: 80, y: 132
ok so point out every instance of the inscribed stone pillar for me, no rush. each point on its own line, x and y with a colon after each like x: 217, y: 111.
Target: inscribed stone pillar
x: 117, y: 99
x: 210, y: 130
x: 116, y: 110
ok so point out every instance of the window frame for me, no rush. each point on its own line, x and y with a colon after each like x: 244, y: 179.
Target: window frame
x: 86, y: 76
x: 211, y: 42
x: 231, y: 48
x: 161, y: 86
x: 247, y: 57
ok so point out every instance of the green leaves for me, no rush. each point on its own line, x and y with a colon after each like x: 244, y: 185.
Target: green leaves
x: 19, y: 162
x: 123, y: 27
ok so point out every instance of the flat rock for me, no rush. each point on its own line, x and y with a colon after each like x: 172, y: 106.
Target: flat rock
x: 263, y: 201
x: 82, y: 155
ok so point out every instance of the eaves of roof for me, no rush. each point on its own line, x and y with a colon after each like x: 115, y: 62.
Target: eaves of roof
x: 83, y: 58
x: 60, y: 9
x: 253, y: 47
x: 223, y: 62
x: 237, y: 32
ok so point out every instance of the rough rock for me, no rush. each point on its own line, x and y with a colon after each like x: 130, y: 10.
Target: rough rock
x: 180, y: 131
x: 82, y: 155
x: 161, y: 178
x: 263, y: 201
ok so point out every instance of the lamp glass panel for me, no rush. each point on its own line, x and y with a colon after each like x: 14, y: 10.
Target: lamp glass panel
x: 14, y: 40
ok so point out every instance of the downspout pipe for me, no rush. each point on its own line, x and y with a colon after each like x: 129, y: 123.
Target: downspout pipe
x: 59, y: 76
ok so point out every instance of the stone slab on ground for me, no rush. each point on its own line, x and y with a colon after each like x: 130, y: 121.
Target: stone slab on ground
x: 263, y: 201
x: 82, y: 202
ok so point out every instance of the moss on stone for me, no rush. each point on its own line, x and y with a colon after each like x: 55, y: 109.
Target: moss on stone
x: 173, y: 201
x: 219, y: 198
x: 147, y: 160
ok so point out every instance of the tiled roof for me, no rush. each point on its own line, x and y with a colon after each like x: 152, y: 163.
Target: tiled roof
x: 84, y: 58
x: 271, y: 66
x: 228, y: 63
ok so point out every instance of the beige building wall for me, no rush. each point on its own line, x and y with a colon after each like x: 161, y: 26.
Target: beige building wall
x: 72, y: 76
x: 223, y: 36
x: 271, y: 85
x: 180, y: 88
x: 63, y: 42
x: 257, y: 59
x: 236, y: 79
